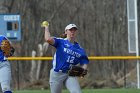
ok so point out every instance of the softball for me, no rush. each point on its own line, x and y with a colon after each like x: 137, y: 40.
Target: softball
x: 44, y: 24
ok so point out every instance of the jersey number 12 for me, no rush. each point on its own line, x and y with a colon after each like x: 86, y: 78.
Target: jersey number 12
x: 70, y: 59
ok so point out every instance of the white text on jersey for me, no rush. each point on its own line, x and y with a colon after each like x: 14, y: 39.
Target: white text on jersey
x: 69, y: 51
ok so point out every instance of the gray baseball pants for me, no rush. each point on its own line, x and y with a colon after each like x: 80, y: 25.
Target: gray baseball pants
x: 57, y: 79
x: 5, y: 76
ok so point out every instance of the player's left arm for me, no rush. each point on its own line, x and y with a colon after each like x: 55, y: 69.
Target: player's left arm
x: 84, y: 66
x: 84, y: 62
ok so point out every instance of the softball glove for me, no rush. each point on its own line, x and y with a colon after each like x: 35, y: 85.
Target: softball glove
x: 6, y: 48
x: 77, y: 71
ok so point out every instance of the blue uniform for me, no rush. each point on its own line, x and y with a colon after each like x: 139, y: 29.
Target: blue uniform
x: 68, y: 54
x: 5, y: 70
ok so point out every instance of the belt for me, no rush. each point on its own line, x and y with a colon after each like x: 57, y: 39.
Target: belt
x: 63, y: 71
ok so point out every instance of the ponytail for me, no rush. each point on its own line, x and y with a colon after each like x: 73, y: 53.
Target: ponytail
x: 63, y: 35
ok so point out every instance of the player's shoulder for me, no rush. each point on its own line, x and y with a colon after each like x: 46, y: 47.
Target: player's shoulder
x: 3, y: 37
x: 80, y: 47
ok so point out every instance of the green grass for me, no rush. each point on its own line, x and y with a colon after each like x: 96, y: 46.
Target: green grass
x: 85, y: 91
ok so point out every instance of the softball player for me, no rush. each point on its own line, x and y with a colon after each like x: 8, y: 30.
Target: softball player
x: 68, y: 52
x: 5, y: 70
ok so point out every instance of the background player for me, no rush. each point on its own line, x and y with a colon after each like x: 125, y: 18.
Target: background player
x: 5, y: 69
x: 68, y: 52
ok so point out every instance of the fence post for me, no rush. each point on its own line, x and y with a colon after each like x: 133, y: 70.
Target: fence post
x: 18, y: 84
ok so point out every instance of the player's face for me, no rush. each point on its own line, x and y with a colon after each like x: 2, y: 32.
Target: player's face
x: 71, y: 33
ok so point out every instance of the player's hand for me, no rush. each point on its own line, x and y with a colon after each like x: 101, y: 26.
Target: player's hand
x: 45, y: 24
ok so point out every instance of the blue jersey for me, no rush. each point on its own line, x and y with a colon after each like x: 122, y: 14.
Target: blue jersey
x: 68, y: 54
x: 2, y: 57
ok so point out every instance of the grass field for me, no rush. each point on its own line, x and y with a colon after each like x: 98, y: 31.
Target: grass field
x: 86, y: 91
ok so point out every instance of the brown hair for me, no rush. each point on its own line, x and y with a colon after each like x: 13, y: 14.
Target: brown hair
x: 63, y: 35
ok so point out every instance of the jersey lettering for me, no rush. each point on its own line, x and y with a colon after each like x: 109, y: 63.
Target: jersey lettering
x: 71, y: 52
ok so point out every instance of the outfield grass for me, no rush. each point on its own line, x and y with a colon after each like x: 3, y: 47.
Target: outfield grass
x: 85, y: 91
